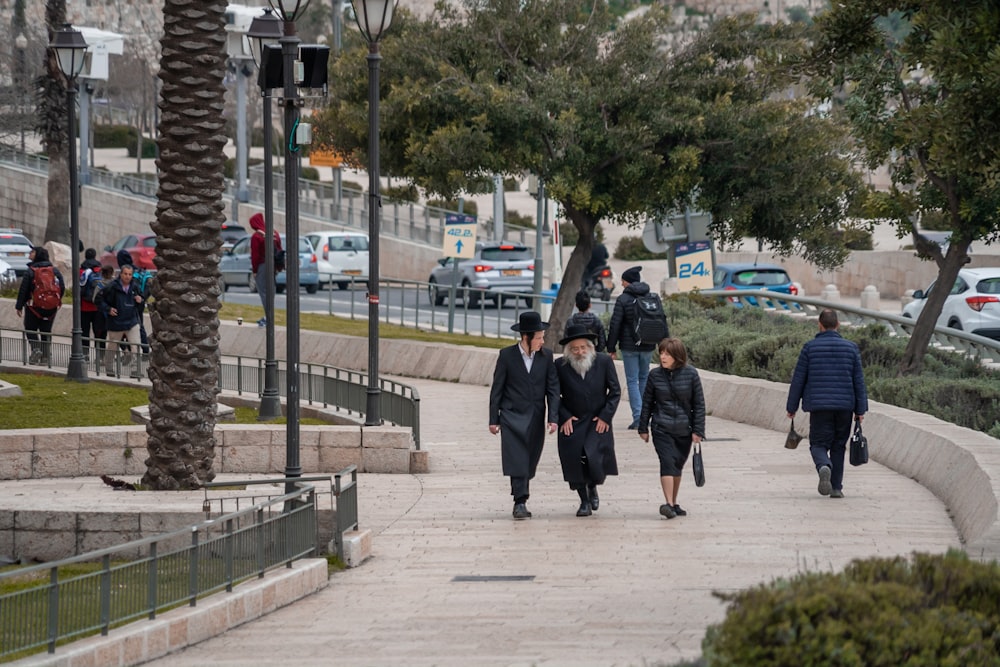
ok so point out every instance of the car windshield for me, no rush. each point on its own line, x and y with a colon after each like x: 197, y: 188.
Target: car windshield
x: 148, y: 242
x: 346, y: 244
x: 304, y: 246
x: 507, y: 254
x: 763, y: 277
x: 14, y: 239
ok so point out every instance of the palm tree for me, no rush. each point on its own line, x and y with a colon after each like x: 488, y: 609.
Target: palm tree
x: 185, y: 308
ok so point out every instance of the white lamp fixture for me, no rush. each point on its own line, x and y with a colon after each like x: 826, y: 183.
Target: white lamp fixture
x: 374, y: 17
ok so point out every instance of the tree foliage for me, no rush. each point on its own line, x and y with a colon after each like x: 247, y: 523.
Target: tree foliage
x: 617, y: 126
x: 918, y: 81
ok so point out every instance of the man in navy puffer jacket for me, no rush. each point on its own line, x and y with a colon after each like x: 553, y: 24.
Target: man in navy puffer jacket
x: 829, y: 382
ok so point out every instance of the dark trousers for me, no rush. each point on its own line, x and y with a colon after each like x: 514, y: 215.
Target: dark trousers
x: 93, y: 322
x: 519, y: 489
x: 37, y: 330
x: 828, y: 434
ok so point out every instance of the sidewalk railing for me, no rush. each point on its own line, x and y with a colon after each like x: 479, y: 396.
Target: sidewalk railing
x: 321, y: 385
x: 145, y: 577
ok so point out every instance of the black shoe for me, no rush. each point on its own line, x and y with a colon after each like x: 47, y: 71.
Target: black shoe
x: 584, y: 510
x: 595, y: 500
x: 668, y: 511
x: 680, y: 511
x: 633, y: 426
x: 521, y: 512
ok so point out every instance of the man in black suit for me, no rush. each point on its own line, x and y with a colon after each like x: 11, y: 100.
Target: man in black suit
x: 590, y: 393
x: 523, y: 383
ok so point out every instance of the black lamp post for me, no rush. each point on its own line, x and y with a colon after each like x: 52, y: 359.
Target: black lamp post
x: 264, y: 31
x: 374, y: 17
x: 69, y: 47
x: 288, y: 11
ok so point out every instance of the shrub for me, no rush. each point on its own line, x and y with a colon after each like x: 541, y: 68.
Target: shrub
x: 407, y: 192
x: 468, y: 207
x: 633, y: 249
x: 515, y: 219
x: 511, y: 184
x: 309, y: 173
x: 569, y: 235
x: 857, y: 239
x: 111, y: 136
x: 931, y: 610
x: 148, y: 146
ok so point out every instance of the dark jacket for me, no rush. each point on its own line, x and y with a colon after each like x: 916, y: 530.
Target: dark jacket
x: 591, y: 323
x: 621, y: 329
x: 828, y: 376
x: 518, y: 404
x: 673, y: 402
x: 596, y: 395
x: 28, y: 285
x: 122, y: 299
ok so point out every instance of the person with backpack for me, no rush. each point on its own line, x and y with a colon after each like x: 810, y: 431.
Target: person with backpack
x: 258, y: 265
x: 142, y: 279
x: 39, y: 299
x: 587, y: 320
x: 91, y: 320
x: 637, y: 326
x: 121, y: 304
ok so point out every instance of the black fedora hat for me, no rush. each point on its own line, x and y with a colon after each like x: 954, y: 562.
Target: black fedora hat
x: 529, y: 322
x: 575, y: 331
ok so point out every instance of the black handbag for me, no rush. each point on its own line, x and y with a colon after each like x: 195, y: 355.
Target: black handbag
x: 859, y: 446
x: 698, y: 465
x: 793, y: 439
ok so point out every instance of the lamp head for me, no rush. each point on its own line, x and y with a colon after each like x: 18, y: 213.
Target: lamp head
x: 264, y: 29
x: 70, y: 48
x: 374, y: 17
x: 289, y: 10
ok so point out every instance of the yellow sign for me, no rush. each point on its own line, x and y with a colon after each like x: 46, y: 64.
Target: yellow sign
x: 325, y: 159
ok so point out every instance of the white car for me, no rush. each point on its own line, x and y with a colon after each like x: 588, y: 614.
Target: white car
x: 7, y: 275
x: 973, y: 305
x: 342, y: 257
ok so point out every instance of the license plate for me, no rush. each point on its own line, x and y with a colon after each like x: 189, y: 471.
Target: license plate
x: 510, y: 272
x: 352, y: 272
x: 17, y: 254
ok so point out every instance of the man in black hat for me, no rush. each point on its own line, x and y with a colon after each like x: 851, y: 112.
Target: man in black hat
x: 523, y: 383
x: 589, y: 395
x: 621, y: 333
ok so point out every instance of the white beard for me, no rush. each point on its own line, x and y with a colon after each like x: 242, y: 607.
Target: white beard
x: 583, y: 365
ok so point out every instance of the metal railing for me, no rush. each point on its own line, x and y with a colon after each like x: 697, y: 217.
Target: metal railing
x: 148, y: 576
x: 321, y: 385
x: 985, y: 350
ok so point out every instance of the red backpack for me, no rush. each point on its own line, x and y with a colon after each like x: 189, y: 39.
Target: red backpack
x: 45, y: 292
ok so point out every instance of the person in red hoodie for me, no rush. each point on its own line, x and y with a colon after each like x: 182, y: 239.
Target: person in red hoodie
x: 257, y: 263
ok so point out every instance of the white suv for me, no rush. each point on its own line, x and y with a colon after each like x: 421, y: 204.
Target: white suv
x: 342, y: 257
x: 972, y: 305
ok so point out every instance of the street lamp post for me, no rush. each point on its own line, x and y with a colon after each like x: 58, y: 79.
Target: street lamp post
x: 69, y: 47
x: 374, y: 17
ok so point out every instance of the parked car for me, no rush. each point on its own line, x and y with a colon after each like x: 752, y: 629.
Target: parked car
x: 232, y: 232
x: 142, y: 247
x: 972, y: 305
x: 7, y: 274
x: 341, y: 254
x: 15, y: 249
x: 495, y: 267
x: 752, y: 277
x: 235, y: 266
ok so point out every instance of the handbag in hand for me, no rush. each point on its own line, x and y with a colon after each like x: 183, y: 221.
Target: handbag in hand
x: 859, y: 446
x: 793, y: 439
x: 698, y: 465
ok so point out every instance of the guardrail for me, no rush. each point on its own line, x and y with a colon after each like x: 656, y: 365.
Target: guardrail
x: 148, y: 576
x: 985, y: 350
x: 323, y: 385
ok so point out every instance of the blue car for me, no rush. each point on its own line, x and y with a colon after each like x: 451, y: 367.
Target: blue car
x: 752, y: 277
x: 235, y: 266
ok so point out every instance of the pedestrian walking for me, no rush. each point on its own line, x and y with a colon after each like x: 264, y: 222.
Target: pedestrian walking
x: 636, y: 355
x: 38, y: 300
x: 91, y: 319
x: 829, y: 382
x: 121, y: 307
x: 591, y: 322
x: 588, y: 398
x: 258, y: 263
x: 673, y: 412
x: 525, y: 389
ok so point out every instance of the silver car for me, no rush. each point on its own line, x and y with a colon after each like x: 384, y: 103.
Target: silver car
x: 496, y: 267
x: 15, y: 249
x: 235, y: 267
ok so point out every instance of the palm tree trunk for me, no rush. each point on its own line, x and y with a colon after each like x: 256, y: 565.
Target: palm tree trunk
x: 52, y: 125
x: 184, y: 342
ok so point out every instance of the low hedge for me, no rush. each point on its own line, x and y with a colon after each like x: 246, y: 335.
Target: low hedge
x: 926, y: 611
x: 753, y: 343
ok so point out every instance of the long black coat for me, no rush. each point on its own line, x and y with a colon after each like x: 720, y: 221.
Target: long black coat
x: 596, y: 395
x: 518, y: 405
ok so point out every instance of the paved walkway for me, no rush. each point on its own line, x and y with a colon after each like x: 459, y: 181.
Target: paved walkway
x: 623, y: 587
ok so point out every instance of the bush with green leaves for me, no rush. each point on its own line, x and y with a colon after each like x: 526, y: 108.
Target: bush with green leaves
x: 752, y: 342
x: 469, y: 207
x: 925, y: 611
x: 569, y: 235
x: 632, y: 248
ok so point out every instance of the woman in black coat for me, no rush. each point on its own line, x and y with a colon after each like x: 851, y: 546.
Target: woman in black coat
x: 675, y: 404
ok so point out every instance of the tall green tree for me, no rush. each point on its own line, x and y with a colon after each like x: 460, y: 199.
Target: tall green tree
x: 619, y: 128
x: 54, y: 131
x: 184, y: 342
x: 919, y: 81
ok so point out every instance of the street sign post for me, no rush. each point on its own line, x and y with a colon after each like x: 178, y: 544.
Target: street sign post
x: 459, y: 243
x: 694, y: 265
